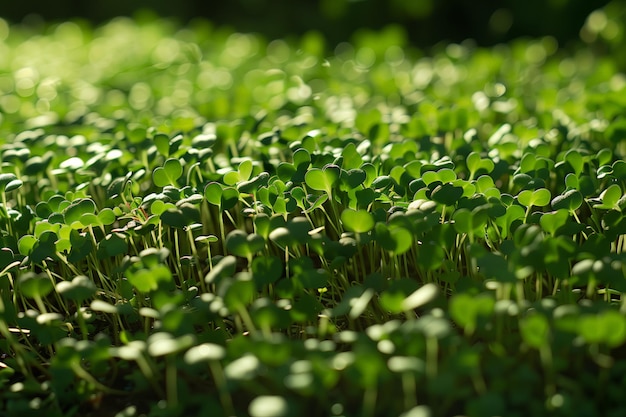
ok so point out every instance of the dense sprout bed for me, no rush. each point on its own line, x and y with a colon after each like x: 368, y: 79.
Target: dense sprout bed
x: 201, y: 222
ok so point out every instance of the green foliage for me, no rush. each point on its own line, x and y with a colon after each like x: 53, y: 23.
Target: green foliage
x: 201, y: 221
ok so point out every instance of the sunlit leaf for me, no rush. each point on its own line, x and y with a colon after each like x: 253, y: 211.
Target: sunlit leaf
x: 359, y: 221
x: 168, y: 174
x: 78, y: 289
x: 539, y: 197
x: 268, y: 406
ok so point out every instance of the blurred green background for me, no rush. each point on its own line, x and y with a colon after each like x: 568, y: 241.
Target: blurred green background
x: 427, y: 22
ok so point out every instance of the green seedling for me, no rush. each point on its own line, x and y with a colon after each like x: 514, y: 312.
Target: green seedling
x: 208, y: 222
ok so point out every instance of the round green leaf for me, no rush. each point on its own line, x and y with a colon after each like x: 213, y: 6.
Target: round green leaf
x: 268, y: 406
x: 224, y: 268
x: 301, y: 157
x: 446, y: 194
x: 213, y: 193
x: 322, y: 179
x: 286, y: 171
x: 484, y: 183
x: 466, y: 308
x: 610, y: 198
x: 469, y: 222
x: 6, y: 180
x: 229, y: 198
x: 162, y: 343
x: 231, y: 178
x: 33, y: 285
x: 205, y: 352
x: 35, y: 165
x: 592, y: 329
x: 358, y: 221
x: 179, y: 218
x: 550, y: 222
x: 528, y: 161
x: 430, y: 256
x: 570, y: 200
x: 148, y: 279
x: 614, y: 324
x: 266, y: 270
x: 513, y: 213
x: 81, y: 246
x: 112, y: 245
x: 168, y: 174
x: 239, y: 292
x: 244, y: 244
x: 315, y: 179
x: 78, y: 289
x: 89, y: 219
x: 419, y: 410
x: 619, y: 169
x: 103, y: 307
x: 72, y: 164
x: 243, y: 368
x: 207, y: 238
x: 13, y: 185
x: 540, y: 197
x: 162, y: 143
x: 403, y: 239
x: 253, y: 184
x: 76, y: 209
x: 26, y: 244
x: 495, y: 266
x: 351, y: 157
x: 430, y: 176
x: 395, y: 239
x: 106, y: 216
x: 353, y: 177
x: 575, y: 159
x: 475, y: 164
x: 245, y: 170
